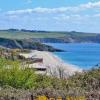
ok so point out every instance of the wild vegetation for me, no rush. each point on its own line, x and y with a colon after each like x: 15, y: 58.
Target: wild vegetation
x: 18, y: 82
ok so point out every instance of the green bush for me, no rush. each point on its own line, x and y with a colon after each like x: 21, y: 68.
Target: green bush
x: 13, y: 75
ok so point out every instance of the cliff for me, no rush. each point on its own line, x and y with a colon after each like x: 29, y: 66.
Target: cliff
x: 25, y: 44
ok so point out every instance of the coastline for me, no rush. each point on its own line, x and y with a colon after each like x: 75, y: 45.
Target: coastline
x: 53, y: 63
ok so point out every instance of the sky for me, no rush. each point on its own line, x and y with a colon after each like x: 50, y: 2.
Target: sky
x: 51, y: 15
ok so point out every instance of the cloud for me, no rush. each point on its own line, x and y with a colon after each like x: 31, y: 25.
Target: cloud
x: 19, y: 11
x: 80, y: 7
x: 90, y: 5
x: 40, y: 10
x: 74, y: 17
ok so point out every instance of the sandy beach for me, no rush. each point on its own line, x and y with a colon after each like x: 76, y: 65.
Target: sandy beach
x: 52, y: 62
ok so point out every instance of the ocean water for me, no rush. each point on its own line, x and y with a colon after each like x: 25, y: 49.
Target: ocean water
x: 84, y: 55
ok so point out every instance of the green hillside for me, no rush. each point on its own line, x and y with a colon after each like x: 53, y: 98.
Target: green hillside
x: 26, y: 35
x: 20, y: 34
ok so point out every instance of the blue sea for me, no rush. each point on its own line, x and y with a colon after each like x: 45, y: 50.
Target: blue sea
x: 85, y: 55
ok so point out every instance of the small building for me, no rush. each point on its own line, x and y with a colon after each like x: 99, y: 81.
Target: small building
x: 33, y: 62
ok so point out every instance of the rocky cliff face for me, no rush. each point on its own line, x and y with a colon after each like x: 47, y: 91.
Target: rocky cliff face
x: 26, y: 44
x: 79, y: 39
x: 48, y: 40
x: 69, y: 39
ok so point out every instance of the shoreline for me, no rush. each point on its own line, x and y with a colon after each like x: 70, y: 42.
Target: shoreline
x: 52, y: 62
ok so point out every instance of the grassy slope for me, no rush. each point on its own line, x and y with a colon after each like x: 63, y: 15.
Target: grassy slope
x: 22, y: 35
x: 25, y: 35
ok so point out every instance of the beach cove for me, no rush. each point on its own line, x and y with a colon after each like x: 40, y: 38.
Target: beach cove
x: 52, y: 63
